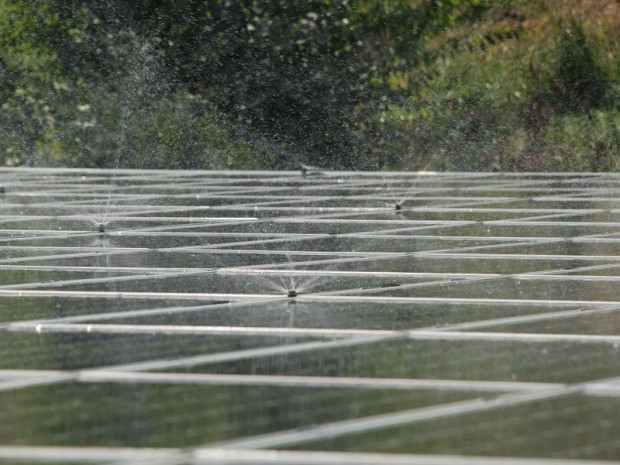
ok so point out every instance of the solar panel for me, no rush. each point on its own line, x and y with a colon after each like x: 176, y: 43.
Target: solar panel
x: 254, y: 317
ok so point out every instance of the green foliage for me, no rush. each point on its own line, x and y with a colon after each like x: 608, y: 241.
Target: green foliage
x: 277, y: 67
x: 567, y: 76
x: 399, y: 84
x: 501, y: 94
x: 579, y: 81
x: 77, y: 92
x: 569, y: 149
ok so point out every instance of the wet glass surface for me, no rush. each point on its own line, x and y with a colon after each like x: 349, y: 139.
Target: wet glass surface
x: 274, y: 311
x: 44, y: 308
x: 540, y: 230
x: 368, y: 243
x: 466, y: 263
x: 571, y: 427
x: 180, y: 415
x: 442, y: 359
x: 518, y: 289
x: 24, y: 277
x: 604, y: 322
x: 236, y: 283
x: 337, y: 315
x: 72, y: 351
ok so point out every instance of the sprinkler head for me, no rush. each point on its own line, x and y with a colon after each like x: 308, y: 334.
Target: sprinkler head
x: 2, y: 189
x: 292, y: 293
x: 398, y: 207
x: 101, y: 227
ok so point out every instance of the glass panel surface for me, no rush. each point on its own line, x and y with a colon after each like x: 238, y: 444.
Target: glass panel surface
x: 455, y: 315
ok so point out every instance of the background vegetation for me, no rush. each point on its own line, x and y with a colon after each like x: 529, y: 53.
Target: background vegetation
x: 356, y: 84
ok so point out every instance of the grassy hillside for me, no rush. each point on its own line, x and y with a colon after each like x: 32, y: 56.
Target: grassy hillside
x: 358, y: 84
